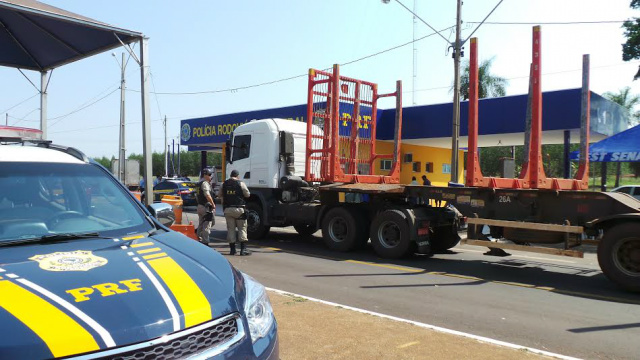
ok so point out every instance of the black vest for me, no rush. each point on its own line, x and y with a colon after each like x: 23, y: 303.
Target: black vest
x: 200, y: 198
x: 232, y: 193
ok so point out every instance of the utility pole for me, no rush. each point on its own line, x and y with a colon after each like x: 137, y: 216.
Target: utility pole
x: 415, y: 54
x: 121, y: 145
x: 455, y: 133
x: 166, y: 162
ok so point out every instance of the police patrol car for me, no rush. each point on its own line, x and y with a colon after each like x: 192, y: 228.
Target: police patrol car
x: 86, y: 271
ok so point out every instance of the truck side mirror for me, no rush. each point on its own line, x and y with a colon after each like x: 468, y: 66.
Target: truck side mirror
x: 227, y: 151
x: 286, y: 143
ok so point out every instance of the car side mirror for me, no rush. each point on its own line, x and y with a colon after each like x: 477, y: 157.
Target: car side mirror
x: 227, y: 151
x: 163, y: 213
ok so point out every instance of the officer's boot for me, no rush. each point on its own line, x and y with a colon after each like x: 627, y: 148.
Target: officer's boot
x: 243, y: 249
x: 233, y: 249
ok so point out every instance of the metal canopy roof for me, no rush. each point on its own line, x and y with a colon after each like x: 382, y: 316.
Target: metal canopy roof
x: 41, y: 37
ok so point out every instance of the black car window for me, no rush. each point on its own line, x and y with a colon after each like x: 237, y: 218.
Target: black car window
x: 626, y: 190
x: 165, y: 186
x: 39, y: 199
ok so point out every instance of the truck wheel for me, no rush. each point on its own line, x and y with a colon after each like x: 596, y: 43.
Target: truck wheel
x: 390, y: 235
x: 444, y: 238
x: 340, y: 230
x: 305, y: 229
x: 256, y: 229
x: 619, y: 255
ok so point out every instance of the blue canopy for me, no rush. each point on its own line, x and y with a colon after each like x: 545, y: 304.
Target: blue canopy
x: 622, y: 147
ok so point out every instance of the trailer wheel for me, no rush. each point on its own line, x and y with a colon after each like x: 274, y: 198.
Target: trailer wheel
x: 619, y: 255
x: 256, y: 229
x: 340, y: 229
x: 390, y: 234
x: 444, y: 238
x: 305, y: 229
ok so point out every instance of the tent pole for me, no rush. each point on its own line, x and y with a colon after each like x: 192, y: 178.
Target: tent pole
x: 43, y: 103
x: 146, y: 120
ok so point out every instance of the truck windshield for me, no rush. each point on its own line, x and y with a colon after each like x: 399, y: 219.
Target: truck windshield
x: 38, y: 199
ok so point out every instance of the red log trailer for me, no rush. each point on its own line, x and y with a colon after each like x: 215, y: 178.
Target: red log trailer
x: 320, y: 175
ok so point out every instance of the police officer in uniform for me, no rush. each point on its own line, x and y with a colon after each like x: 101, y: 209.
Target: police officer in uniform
x: 206, y: 207
x: 234, y: 193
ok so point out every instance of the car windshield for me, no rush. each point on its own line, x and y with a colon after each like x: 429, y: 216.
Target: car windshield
x: 39, y: 199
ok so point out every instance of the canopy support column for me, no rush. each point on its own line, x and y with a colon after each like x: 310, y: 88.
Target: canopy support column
x: 146, y: 121
x: 44, y: 82
x: 567, y: 160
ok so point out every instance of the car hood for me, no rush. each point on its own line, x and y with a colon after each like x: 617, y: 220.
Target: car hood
x: 77, y: 296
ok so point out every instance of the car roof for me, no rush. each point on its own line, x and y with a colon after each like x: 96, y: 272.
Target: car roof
x: 26, y: 153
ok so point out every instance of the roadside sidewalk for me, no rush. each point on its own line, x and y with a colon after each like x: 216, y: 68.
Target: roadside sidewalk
x: 312, y: 330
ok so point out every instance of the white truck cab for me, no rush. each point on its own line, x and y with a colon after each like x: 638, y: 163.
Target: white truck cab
x: 257, y: 151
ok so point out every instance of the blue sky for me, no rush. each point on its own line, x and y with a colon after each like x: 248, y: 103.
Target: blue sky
x: 217, y: 45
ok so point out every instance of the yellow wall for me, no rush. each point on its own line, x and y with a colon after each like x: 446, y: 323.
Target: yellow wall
x: 422, y: 154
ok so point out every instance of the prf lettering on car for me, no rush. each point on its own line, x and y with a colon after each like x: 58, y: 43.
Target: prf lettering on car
x: 106, y: 289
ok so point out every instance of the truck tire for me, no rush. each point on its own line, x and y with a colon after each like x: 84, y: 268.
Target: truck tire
x: 256, y: 229
x: 340, y: 229
x: 390, y: 235
x: 305, y: 229
x: 444, y: 238
x: 619, y: 255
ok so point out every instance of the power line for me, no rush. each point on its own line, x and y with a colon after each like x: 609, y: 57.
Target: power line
x: 232, y: 90
x: 549, y: 23
x: 81, y: 108
x: 21, y: 102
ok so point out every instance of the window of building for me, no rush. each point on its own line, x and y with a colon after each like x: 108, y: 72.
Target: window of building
x: 416, y: 166
x: 446, y: 168
x: 428, y: 167
x: 407, y: 158
x: 385, y: 164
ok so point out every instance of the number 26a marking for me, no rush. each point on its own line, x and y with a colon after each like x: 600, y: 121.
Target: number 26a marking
x: 504, y: 199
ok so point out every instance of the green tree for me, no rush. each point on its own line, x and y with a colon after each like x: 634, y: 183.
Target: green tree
x: 489, y: 85
x: 631, y: 48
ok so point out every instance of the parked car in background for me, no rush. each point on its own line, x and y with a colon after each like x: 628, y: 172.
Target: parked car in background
x: 89, y: 272
x: 185, y: 189
x: 633, y: 190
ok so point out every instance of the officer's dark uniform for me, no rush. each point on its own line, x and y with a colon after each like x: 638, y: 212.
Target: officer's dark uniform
x: 234, y: 193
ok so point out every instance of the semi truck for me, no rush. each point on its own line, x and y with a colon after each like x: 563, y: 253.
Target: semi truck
x: 320, y: 175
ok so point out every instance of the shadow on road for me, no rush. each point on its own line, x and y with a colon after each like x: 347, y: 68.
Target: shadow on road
x: 471, y: 269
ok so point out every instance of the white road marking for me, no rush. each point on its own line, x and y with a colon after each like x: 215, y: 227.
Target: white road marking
x: 104, y: 334
x: 12, y: 276
x: 163, y: 293
x: 432, y: 327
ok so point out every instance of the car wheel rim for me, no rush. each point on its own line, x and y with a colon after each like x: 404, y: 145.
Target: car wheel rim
x: 627, y: 256
x: 389, y: 234
x: 338, y: 229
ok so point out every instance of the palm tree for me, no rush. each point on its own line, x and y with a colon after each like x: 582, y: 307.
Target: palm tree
x: 628, y: 101
x: 489, y: 85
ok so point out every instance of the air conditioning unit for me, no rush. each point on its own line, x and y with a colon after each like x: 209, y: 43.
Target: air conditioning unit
x: 407, y: 158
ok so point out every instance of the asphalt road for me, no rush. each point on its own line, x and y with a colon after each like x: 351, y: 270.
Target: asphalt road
x: 562, y: 305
